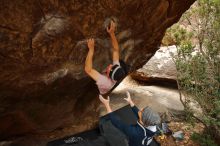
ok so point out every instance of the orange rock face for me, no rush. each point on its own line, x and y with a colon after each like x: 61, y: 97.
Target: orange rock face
x: 42, y: 52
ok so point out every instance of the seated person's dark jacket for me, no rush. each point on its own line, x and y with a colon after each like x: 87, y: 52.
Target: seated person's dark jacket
x: 135, y: 133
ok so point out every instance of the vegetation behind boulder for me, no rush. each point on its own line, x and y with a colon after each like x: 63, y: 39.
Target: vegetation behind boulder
x: 197, y: 37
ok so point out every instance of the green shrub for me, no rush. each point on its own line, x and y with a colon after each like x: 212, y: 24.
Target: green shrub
x: 198, y: 70
x: 203, y: 139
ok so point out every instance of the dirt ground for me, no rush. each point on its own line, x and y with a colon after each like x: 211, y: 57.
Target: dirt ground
x: 187, y: 130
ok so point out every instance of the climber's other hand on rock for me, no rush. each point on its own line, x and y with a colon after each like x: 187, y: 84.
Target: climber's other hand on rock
x: 111, y: 28
x: 91, y: 43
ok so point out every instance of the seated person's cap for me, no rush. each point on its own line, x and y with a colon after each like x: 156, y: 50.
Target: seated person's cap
x: 117, y: 73
x: 150, y: 117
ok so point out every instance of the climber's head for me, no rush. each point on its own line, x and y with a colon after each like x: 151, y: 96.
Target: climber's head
x: 115, y: 72
x: 148, y: 117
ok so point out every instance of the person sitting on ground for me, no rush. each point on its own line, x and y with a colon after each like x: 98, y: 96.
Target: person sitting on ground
x: 114, y: 72
x: 141, y: 133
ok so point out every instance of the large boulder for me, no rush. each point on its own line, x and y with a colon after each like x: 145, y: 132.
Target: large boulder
x: 43, y: 86
x: 160, y: 68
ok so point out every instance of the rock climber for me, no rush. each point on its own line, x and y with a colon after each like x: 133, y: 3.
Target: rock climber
x: 141, y: 133
x: 114, y: 72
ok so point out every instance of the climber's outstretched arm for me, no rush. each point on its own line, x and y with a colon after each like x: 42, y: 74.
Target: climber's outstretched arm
x: 115, y: 51
x: 88, y: 64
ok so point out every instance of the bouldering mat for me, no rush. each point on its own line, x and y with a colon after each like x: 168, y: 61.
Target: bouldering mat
x: 89, y: 135
x: 103, y: 134
x: 126, y: 115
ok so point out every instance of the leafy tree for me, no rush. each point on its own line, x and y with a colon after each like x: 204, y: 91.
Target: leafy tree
x: 197, y: 37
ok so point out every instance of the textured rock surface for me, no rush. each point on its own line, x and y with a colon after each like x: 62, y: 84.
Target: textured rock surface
x: 42, y: 50
x: 160, y: 68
